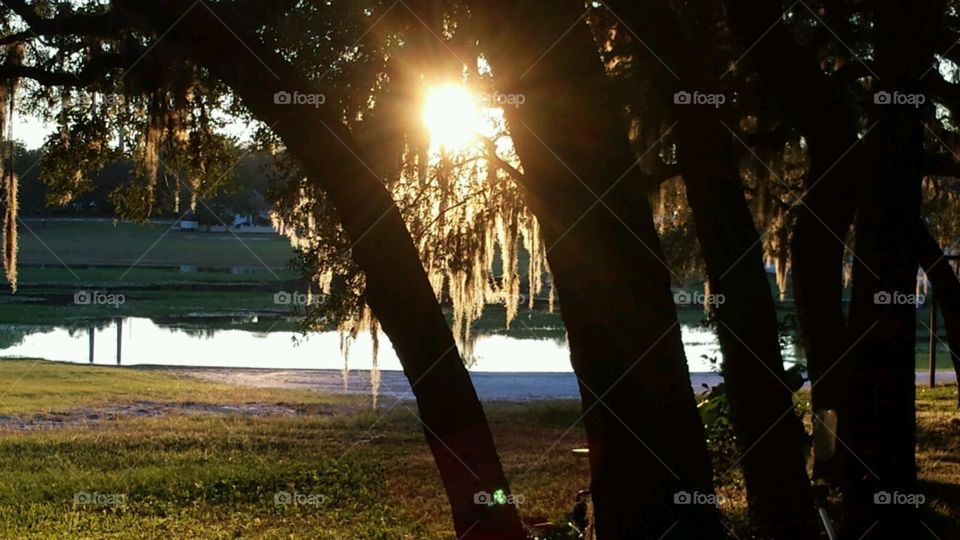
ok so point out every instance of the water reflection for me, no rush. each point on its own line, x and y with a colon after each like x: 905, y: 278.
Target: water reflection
x: 140, y: 341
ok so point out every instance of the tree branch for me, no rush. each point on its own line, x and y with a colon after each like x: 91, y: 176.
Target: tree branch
x: 94, y: 71
x: 496, y: 160
x: 110, y: 24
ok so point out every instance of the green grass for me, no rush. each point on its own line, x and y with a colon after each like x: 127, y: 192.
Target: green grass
x: 125, y: 244
x: 120, y: 276
x: 215, y: 476
x: 142, y: 263
x: 196, y: 475
x: 41, y: 386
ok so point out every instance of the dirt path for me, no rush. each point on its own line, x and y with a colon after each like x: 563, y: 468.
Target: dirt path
x: 520, y: 387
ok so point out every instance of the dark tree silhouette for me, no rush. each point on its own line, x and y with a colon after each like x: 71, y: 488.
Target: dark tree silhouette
x: 760, y: 399
x: 590, y: 74
x: 816, y: 105
x: 878, y: 420
x: 646, y: 441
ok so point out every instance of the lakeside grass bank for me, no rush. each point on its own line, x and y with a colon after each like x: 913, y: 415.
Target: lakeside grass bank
x: 212, y: 462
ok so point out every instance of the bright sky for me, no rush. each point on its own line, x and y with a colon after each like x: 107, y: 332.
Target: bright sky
x: 32, y: 131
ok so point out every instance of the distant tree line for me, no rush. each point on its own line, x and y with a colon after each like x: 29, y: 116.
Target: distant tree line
x: 243, y: 190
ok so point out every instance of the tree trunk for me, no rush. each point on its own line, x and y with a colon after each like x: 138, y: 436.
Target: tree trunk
x: 454, y: 423
x: 946, y: 290
x: 817, y: 107
x: 768, y: 430
x: 646, y: 440
x: 877, y: 421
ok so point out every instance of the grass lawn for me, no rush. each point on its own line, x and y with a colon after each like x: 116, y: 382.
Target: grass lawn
x: 79, y: 243
x: 215, y: 475
x: 142, y: 262
x: 199, y: 472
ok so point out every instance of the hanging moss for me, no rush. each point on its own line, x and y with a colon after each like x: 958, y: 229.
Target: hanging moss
x: 10, y: 240
x: 468, y: 223
x: 10, y: 182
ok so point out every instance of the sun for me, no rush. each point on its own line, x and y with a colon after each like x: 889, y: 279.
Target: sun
x: 451, y: 116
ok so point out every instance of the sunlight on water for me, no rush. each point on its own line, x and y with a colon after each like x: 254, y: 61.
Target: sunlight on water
x: 145, y: 342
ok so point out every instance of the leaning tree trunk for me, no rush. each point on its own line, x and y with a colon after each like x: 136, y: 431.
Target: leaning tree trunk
x: 946, y: 290
x: 878, y: 420
x: 816, y: 104
x: 396, y: 283
x: 646, y: 439
x: 768, y: 430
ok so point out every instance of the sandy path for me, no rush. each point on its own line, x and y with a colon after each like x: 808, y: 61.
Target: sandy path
x: 393, y: 384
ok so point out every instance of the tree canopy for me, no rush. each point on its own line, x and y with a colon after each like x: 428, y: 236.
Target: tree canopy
x: 418, y: 151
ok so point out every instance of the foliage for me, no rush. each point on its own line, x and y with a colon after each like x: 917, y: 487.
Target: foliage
x: 461, y: 206
x: 72, y: 154
x: 714, y: 408
x: 714, y: 411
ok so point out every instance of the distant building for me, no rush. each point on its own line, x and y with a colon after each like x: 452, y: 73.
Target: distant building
x: 243, y: 220
x: 189, y: 222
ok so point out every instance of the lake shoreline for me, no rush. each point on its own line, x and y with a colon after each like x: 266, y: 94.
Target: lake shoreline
x: 491, y: 386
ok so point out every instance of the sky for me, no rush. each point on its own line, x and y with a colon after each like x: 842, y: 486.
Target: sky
x: 30, y: 130
x: 33, y: 131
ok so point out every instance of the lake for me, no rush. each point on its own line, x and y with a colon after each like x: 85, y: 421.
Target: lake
x: 503, y: 368
x: 145, y: 342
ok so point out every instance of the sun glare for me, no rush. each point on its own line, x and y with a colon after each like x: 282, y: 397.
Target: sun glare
x: 451, y: 115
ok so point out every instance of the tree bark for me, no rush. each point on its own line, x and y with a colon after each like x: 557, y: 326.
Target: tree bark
x: 817, y: 106
x: 877, y: 421
x: 454, y: 422
x: 946, y: 290
x: 646, y: 440
x: 768, y: 430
